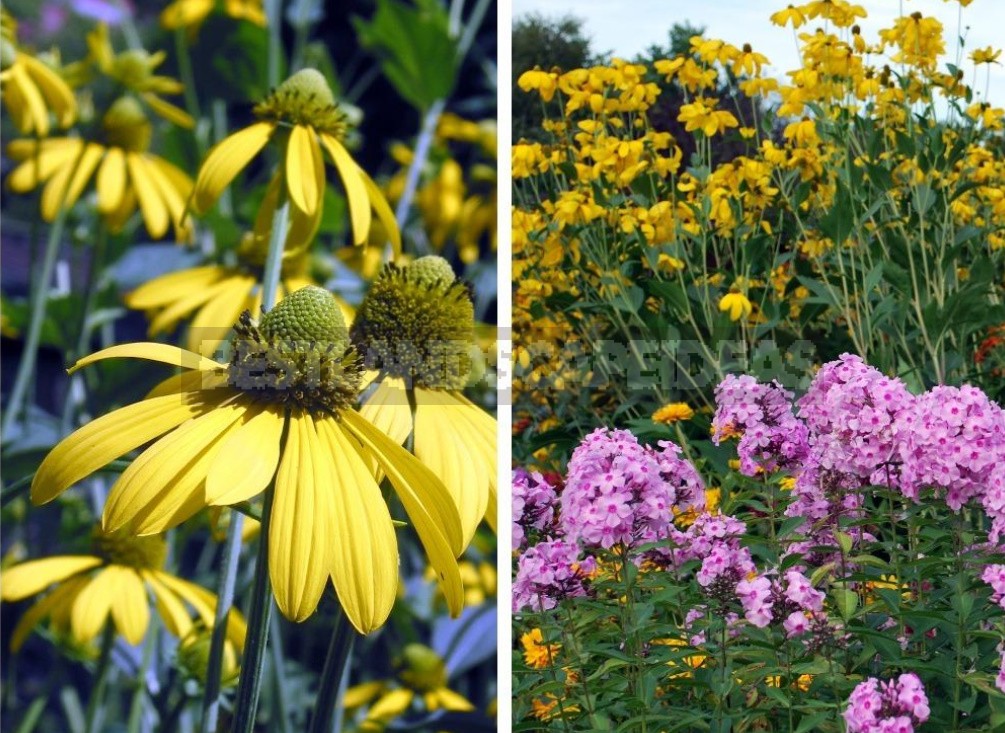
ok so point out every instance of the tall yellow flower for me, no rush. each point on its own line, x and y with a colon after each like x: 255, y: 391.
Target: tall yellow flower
x: 736, y: 304
x: 416, y: 328
x: 281, y: 408
x: 537, y: 654
x: 422, y: 675
x: 127, y: 173
x: 116, y: 582
x: 302, y: 117
x: 673, y: 412
x: 193, y: 13
x: 31, y: 90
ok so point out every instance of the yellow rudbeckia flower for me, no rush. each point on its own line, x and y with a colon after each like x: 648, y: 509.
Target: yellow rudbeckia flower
x: 737, y: 304
x: 415, y: 326
x: 217, y: 295
x: 672, y: 413
x: 31, y: 90
x: 281, y: 409
x: 302, y: 116
x: 116, y: 582
x: 193, y: 13
x: 422, y: 676
x: 127, y: 173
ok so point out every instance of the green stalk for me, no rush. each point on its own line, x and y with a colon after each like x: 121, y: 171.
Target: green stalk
x: 136, y: 711
x: 104, y: 666
x: 225, y: 600
x: 15, y: 403
x: 279, y: 676
x: 329, y: 702
x: 252, y: 663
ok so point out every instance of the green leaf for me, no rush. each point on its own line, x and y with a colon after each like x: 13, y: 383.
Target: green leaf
x: 416, y: 52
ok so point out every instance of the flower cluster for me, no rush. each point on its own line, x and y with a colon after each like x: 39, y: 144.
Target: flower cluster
x: 895, y: 706
x: 550, y: 572
x: 621, y: 492
x: 534, y: 504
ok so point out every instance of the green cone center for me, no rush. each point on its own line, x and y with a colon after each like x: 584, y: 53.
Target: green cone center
x: 120, y: 548
x: 304, y: 99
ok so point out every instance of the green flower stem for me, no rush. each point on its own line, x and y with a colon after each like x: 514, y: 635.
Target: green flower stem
x: 422, y: 146
x: 182, y: 52
x: 274, y: 20
x: 274, y: 260
x: 279, y: 676
x: 101, y: 678
x: 26, y: 369
x: 225, y: 600
x: 329, y: 703
x: 136, y: 710
x: 252, y: 663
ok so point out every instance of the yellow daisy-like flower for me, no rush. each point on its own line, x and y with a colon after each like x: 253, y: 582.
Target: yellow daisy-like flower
x: 193, y: 13
x: 218, y: 439
x: 416, y: 328
x: 536, y: 653
x: 422, y: 676
x: 737, y: 304
x: 31, y: 90
x: 115, y: 582
x: 217, y: 294
x: 672, y: 413
x: 127, y: 173
x: 302, y: 116
x: 134, y: 70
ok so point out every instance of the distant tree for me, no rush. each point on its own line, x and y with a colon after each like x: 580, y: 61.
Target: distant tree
x: 545, y: 42
x: 679, y: 43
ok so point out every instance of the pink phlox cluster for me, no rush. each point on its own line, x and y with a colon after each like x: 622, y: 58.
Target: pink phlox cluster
x: 952, y: 439
x: 619, y: 491
x: 771, y: 438
x: 994, y: 575
x: 549, y: 572
x: 895, y: 706
x: 851, y: 411
x: 793, y: 599
x: 534, y: 504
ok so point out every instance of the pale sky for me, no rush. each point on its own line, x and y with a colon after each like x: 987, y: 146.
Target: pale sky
x: 629, y: 27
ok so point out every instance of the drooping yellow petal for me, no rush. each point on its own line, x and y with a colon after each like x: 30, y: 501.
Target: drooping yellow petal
x: 168, y: 111
x: 24, y: 149
x: 204, y: 603
x: 388, y: 409
x: 170, y: 194
x: 165, y: 485
x: 225, y: 161
x: 364, y: 549
x: 450, y: 700
x: 61, y: 598
x: 481, y: 432
x: 131, y: 609
x: 305, y: 170
x: 300, y: 533
x: 426, y: 501
x: 111, y: 436
x: 391, y: 705
x: 361, y: 694
x: 168, y: 318
x: 384, y: 213
x: 154, y: 352
x: 214, y: 320
x: 29, y: 578
x: 169, y: 607
x: 168, y: 288
x: 111, y: 182
x: 64, y: 187
x: 94, y: 603
x: 56, y: 91
x: 247, y: 460
x: 34, y: 117
x: 443, y: 447
x: 50, y: 159
x: 152, y: 206
x: 193, y: 381
x: 355, y: 188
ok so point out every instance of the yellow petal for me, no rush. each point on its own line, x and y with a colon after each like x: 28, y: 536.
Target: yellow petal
x: 443, y: 446
x: 29, y: 578
x: 111, y: 181
x: 131, y: 609
x: 450, y: 700
x: 168, y: 288
x: 169, y: 607
x: 56, y: 91
x: 426, y: 500
x: 154, y: 352
x: 305, y: 171
x: 64, y: 187
x: 383, y: 210
x: 214, y: 320
x: 168, y: 318
x: 195, y: 381
x: 94, y: 603
x: 111, y: 436
x: 355, y: 188
x: 391, y: 705
x: 50, y: 159
x: 481, y: 431
x: 164, y: 486
x: 388, y: 409
x: 364, y: 549
x: 247, y: 460
x: 152, y: 206
x: 361, y: 694
x: 170, y: 194
x: 300, y: 536
x: 34, y: 117
x: 204, y: 603
x: 168, y: 111
x: 225, y: 161
x: 61, y: 598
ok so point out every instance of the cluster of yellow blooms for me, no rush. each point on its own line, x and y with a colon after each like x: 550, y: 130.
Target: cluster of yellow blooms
x: 728, y: 201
